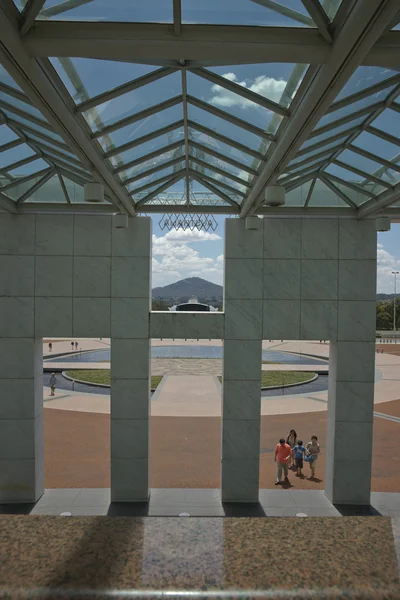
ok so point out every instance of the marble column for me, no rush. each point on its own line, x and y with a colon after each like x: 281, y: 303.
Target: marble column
x: 130, y: 361
x: 352, y: 368
x: 21, y: 420
x: 21, y: 382
x: 242, y: 362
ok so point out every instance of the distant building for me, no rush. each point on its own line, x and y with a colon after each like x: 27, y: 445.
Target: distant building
x: 193, y: 305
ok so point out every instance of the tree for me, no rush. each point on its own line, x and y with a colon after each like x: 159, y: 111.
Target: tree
x: 159, y: 304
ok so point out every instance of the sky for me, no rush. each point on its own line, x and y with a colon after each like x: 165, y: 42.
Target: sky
x: 179, y: 254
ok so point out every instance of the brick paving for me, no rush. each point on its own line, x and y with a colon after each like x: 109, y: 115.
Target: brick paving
x: 185, y: 451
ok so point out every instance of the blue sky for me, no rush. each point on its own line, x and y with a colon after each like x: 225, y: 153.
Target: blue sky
x: 177, y: 256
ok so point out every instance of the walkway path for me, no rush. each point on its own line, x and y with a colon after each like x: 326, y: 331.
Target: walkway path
x: 191, y: 387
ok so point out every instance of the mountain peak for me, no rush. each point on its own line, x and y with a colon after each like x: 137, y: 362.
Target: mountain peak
x: 188, y: 287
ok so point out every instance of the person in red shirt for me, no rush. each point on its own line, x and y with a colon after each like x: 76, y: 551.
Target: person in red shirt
x: 282, y: 456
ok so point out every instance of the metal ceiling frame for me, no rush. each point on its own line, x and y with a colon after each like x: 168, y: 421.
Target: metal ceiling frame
x: 357, y: 36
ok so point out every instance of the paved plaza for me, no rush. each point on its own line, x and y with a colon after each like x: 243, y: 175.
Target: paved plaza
x: 186, y: 425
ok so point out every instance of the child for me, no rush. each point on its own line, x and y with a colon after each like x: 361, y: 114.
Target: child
x: 299, y: 452
x: 291, y: 440
x: 313, y: 449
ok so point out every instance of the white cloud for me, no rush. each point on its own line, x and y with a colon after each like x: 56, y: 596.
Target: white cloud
x: 175, y: 259
x: 386, y: 263
x: 264, y: 86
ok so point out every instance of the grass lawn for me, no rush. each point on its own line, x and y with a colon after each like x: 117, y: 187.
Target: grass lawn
x: 103, y: 376
x: 279, y: 378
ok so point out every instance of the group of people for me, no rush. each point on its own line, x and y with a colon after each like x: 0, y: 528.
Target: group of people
x: 292, y: 453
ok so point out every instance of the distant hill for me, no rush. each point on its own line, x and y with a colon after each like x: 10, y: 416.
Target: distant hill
x: 187, y: 288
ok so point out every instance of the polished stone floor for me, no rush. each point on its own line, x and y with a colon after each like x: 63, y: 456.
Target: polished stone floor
x: 52, y: 558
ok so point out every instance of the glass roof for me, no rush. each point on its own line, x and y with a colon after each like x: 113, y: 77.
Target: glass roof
x: 180, y: 130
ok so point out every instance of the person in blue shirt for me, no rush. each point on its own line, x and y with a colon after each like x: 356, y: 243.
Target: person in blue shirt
x: 299, y: 452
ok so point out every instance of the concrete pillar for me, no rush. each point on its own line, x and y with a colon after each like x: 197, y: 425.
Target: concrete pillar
x: 21, y: 382
x: 352, y: 368
x: 242, y: 362
x: 130, y: 361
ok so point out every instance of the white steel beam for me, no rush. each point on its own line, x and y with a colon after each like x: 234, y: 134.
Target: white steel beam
x: 382, y: 134
x: 344, y: 165
x: 158, y: 167
x: 30, y: 76
x: 135, y: 84
x: 240, y: 90
x: 177, y: 11
x: 226, y: 140
x: 57, y: 9
x: 320, y: 18
x: 362, y: 29
x: 19, y: 163
x: 185, y: 130
x: 286, y: 11
x: 218, y: 183
x: 158, y: 190
x: 134, y: 42
x: 7, y: 204
x: 143, y: 139
x: 64, y: 188
x: 7, y: 89
x: 380, y: 202
x: 369, y: 91
x: 31, y: 9
x: 214, y: 190
x: 34, y: 188
x: 212, y: 167
x: 222, y: 114
x: 338, y: 136
x: 146, y: 157
x: 330, y: 184
x: 143, y: 114
x: 351, y: 185
x: 10, y: 145
x: 389, y: 164
x: 224, y: 157
x: 25, y: 179
x: 310, y: 192
x: 184, y: 209
x: 158, y: 181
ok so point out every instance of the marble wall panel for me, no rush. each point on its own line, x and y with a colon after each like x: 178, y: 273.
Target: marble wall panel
x: 130, y: 358
x: 129, y: 438
x: 21, y: 480
x: 130, y: 318
x: 357, y: 320
x: 282, y: 279
x: 21, y: 438
x: 53, y: 317
x: 92, y: 277
x: 53, y: 276
x: 128, y: 398
x: 133, y: 241
x: 54, y: 235
x: 186, y: 325
x: 281, y: 320
x: 243, y: 319
x: 16, y: 317
x: 27, y: 398
x: 240, y: 479
x: 17, y: 275
x: 357, y: 239
x: 243, y: 279
x: 318, y: 320
x: 242, y: 360
x: 320, y: 238
x: 282, y: 238
x: 129, y: 480
x: 241, y: 242
x: 130, y: 277
x: 92, y: 235
x: 20, y: 358
x: 91, y: 317
x: 17, y: 234
x: 319, y: 279
x: 241, y: 399
x: 357, y: 280
x: 241, y: 438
